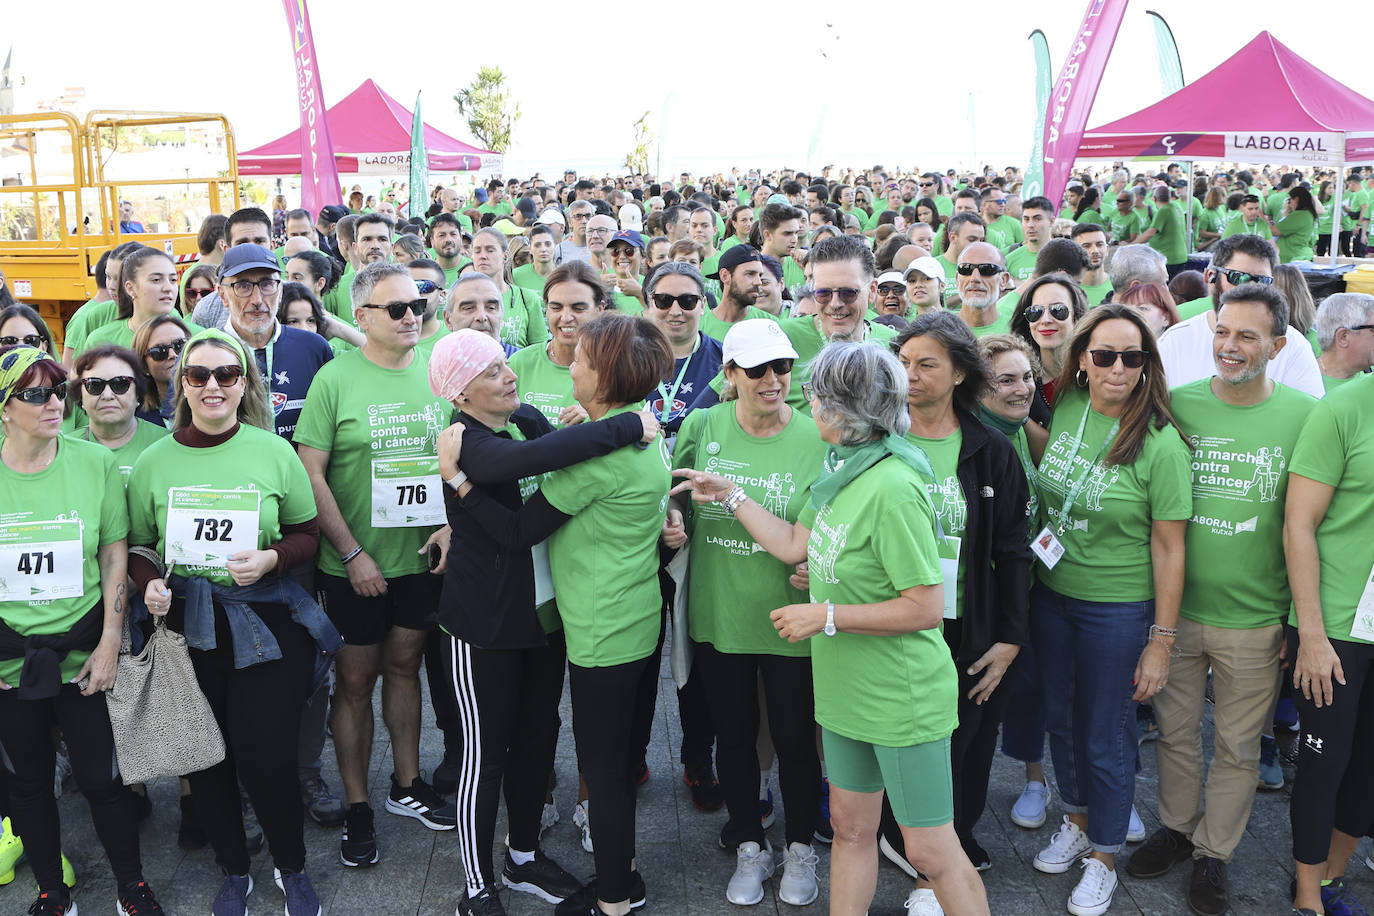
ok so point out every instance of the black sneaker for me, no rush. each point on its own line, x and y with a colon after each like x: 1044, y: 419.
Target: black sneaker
x: 190, y: 835
x: 137, y: 900
x: 583, y: 903
x: 59, y: 903
x: 420, y: 801
x: 706, y: 793
x: 486, y: 903
x: 542, y: 877
x: 446, y: 774
x: 359, y: 844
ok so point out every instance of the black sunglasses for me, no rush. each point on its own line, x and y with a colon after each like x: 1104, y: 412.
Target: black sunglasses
x: 1059, y: 312
x: 780, y: 366
x: 41, y: 395
x: 1237, y: 277
x: 198, y: 293
x: 848, y: 295
x: 161, y: 352
x: 28, y: 340
x: 1105, y: 359
x: 225, y: 376
x: 987, y: 270
x: 95, y: 387
x: 397, y: 310
x: 664, y: 301
x: 426, y: 286
x: 892, y: 289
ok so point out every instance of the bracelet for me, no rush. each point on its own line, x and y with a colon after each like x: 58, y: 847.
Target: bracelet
x: 351, y: 555
x: 456, y: 481
x: 1157, y: 630
x: 734, y: 499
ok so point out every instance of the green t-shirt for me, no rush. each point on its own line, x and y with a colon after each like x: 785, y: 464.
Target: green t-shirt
x: 541, y: 382
x: 1336, y: 448
x: 1194, y: 307
x: 1235, y: 574
x: 82, y: 484
x: 777, y: 472
x: 1330, y: 384
x: 526, y: 277
x: 716, y: 329
x: 502, y: 209
x: 252, y: 459
x: 1209, y: 221
x: 947, y: 499
x: 944, y: 205
x: 368, y: 418
x: 1011, y: 228
x: 1273, y: 204
x: 451, y: 275
x: 1129, y: 226
x: 1296, y: 236
x: 145, y: 434
x: 1107, y: 533
x: 1020, y: 263
x: 522, y: 324
x: 873, y: 540
x: 463, y: 220
x: 805, y: 336
x: 1168, y: 239
x: 1089, y: 216
x: 1097, y: 293
x: 339, y: 301
x: 119, y: 334
x: 951, y: 270
x: 1238, y: 226
x: 1003, y: 323
x: 426, y: 344
x: 91, y: 316
x: 604, y: 560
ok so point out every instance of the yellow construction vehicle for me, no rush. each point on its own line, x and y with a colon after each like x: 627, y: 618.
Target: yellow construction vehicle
x: 63, y: 184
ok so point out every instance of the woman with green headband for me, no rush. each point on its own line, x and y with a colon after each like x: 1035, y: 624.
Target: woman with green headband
x: 63, y: 560
x: 886, y: 688
x: 226, y: 504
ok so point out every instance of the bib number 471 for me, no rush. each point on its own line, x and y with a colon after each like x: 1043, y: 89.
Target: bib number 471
x: 32, y: 564
x: 214, y: 529
x: 411, y: 494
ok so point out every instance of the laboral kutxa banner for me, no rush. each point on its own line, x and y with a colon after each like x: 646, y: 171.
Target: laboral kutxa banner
x: 319, y: 175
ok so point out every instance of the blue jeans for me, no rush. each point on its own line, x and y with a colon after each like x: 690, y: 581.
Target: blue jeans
x: 1088, y: 651
x: 1023, y: 726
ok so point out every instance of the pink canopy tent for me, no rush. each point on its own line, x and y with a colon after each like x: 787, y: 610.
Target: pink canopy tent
x: 371, y: 133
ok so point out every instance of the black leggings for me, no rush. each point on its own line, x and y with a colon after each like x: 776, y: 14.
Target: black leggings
x: 29, y: 758
x: 1324, y: 243
x: 604, y: 701
x: 730, y: 682
x: 507, y: 701
x: 698, y: 733
x: 259, y: 711
x: 1335, y: 782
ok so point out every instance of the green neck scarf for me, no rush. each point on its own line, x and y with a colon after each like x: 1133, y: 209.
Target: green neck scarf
x: 843, y: 463
x: 999, y: 422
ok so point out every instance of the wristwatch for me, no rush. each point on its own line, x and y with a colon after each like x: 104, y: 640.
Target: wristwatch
x: 829, y: 619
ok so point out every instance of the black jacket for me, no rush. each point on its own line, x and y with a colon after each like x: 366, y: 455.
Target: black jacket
x: 996, y: 547
x: 488, y: 597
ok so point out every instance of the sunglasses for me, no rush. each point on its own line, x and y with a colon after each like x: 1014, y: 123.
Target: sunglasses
x: 41, y: 395
x: 198, y: 293
x: 848, y: 295
x: 1059, y: 312
x: 665, y: 301
x: 987, y: 270
x: 927, y: 184
x: 426, y: 286
x: 225, y: 376
x: 95, y: 387
x: 1105, y: 359
x: 161, y: 352
x: 891, y: 289
x: 397, y: 310
x: 780, y: 366
x: 1237, y: 277
x: 28, y: 340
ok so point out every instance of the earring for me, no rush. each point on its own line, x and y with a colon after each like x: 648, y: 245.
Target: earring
x: 1144, y: 378
x: 1081, y: 378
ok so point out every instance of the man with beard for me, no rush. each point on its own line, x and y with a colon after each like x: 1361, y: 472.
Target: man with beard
x: 995, y: 216
x: 446, y: 238
x: 979, y: 277
x: 962, y: 230
x: 740, y: 273
x: 1092, y: 238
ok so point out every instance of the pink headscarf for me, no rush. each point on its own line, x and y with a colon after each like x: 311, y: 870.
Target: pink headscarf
x: 458, y: 358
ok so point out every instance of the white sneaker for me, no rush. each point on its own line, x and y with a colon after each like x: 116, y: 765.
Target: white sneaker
x: 583, y: 823
x: 1068, y: 845
x: 897, y: 859
x: 798, y: 883
x: 1029, y: 810
x: 1135, y: 830
x: 548, y: 817
x: 922, y: 902
x: 1092, y: 896
x: 753, y: 866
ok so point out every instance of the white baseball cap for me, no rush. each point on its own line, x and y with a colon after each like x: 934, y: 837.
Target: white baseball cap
x: 756, y: 341
x: 552, y: 217
x: 891, y: 276
x: 928, y: 266
x: 631, y: 217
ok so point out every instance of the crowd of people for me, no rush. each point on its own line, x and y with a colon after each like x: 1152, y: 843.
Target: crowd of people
x: 904, y: 462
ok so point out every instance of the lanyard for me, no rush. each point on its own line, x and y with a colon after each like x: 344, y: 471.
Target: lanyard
x: 1082, y: 482
x: 670, y: 397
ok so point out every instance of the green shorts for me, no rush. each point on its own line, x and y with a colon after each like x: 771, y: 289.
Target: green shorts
x: 918, y: 778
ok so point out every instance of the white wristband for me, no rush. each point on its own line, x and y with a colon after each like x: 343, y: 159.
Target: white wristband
x: 456, y: 481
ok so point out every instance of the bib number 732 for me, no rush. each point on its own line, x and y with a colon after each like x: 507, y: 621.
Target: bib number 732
x: 214, y: 529
x: 205, y: 527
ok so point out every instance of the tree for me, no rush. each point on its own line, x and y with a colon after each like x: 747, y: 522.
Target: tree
x: 487, y: 106
x: 637, y: 160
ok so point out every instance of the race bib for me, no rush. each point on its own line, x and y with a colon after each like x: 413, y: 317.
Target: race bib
x: 1363, y: 627
x: 206, y: 527
x: 40, y: 561
x: 949, y: 568
x: 543, y: 574
x: 406, y: 493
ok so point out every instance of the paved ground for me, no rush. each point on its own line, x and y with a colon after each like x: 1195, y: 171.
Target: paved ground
x: 685, y: 870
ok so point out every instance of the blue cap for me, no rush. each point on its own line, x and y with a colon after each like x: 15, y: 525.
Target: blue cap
x: 629, y: 237
x: 481, y: 195
x: 247, y: 257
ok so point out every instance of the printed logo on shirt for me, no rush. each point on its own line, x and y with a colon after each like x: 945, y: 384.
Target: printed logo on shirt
x: 947, y: 498
x: 1247, y: 476
x: 824, y: 548
x: 777, y: 488
x: 393, y: 430
x: 278, y: 403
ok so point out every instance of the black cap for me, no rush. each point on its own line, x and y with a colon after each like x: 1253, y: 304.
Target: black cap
x: 333, y: 213
x: 737, y: 255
